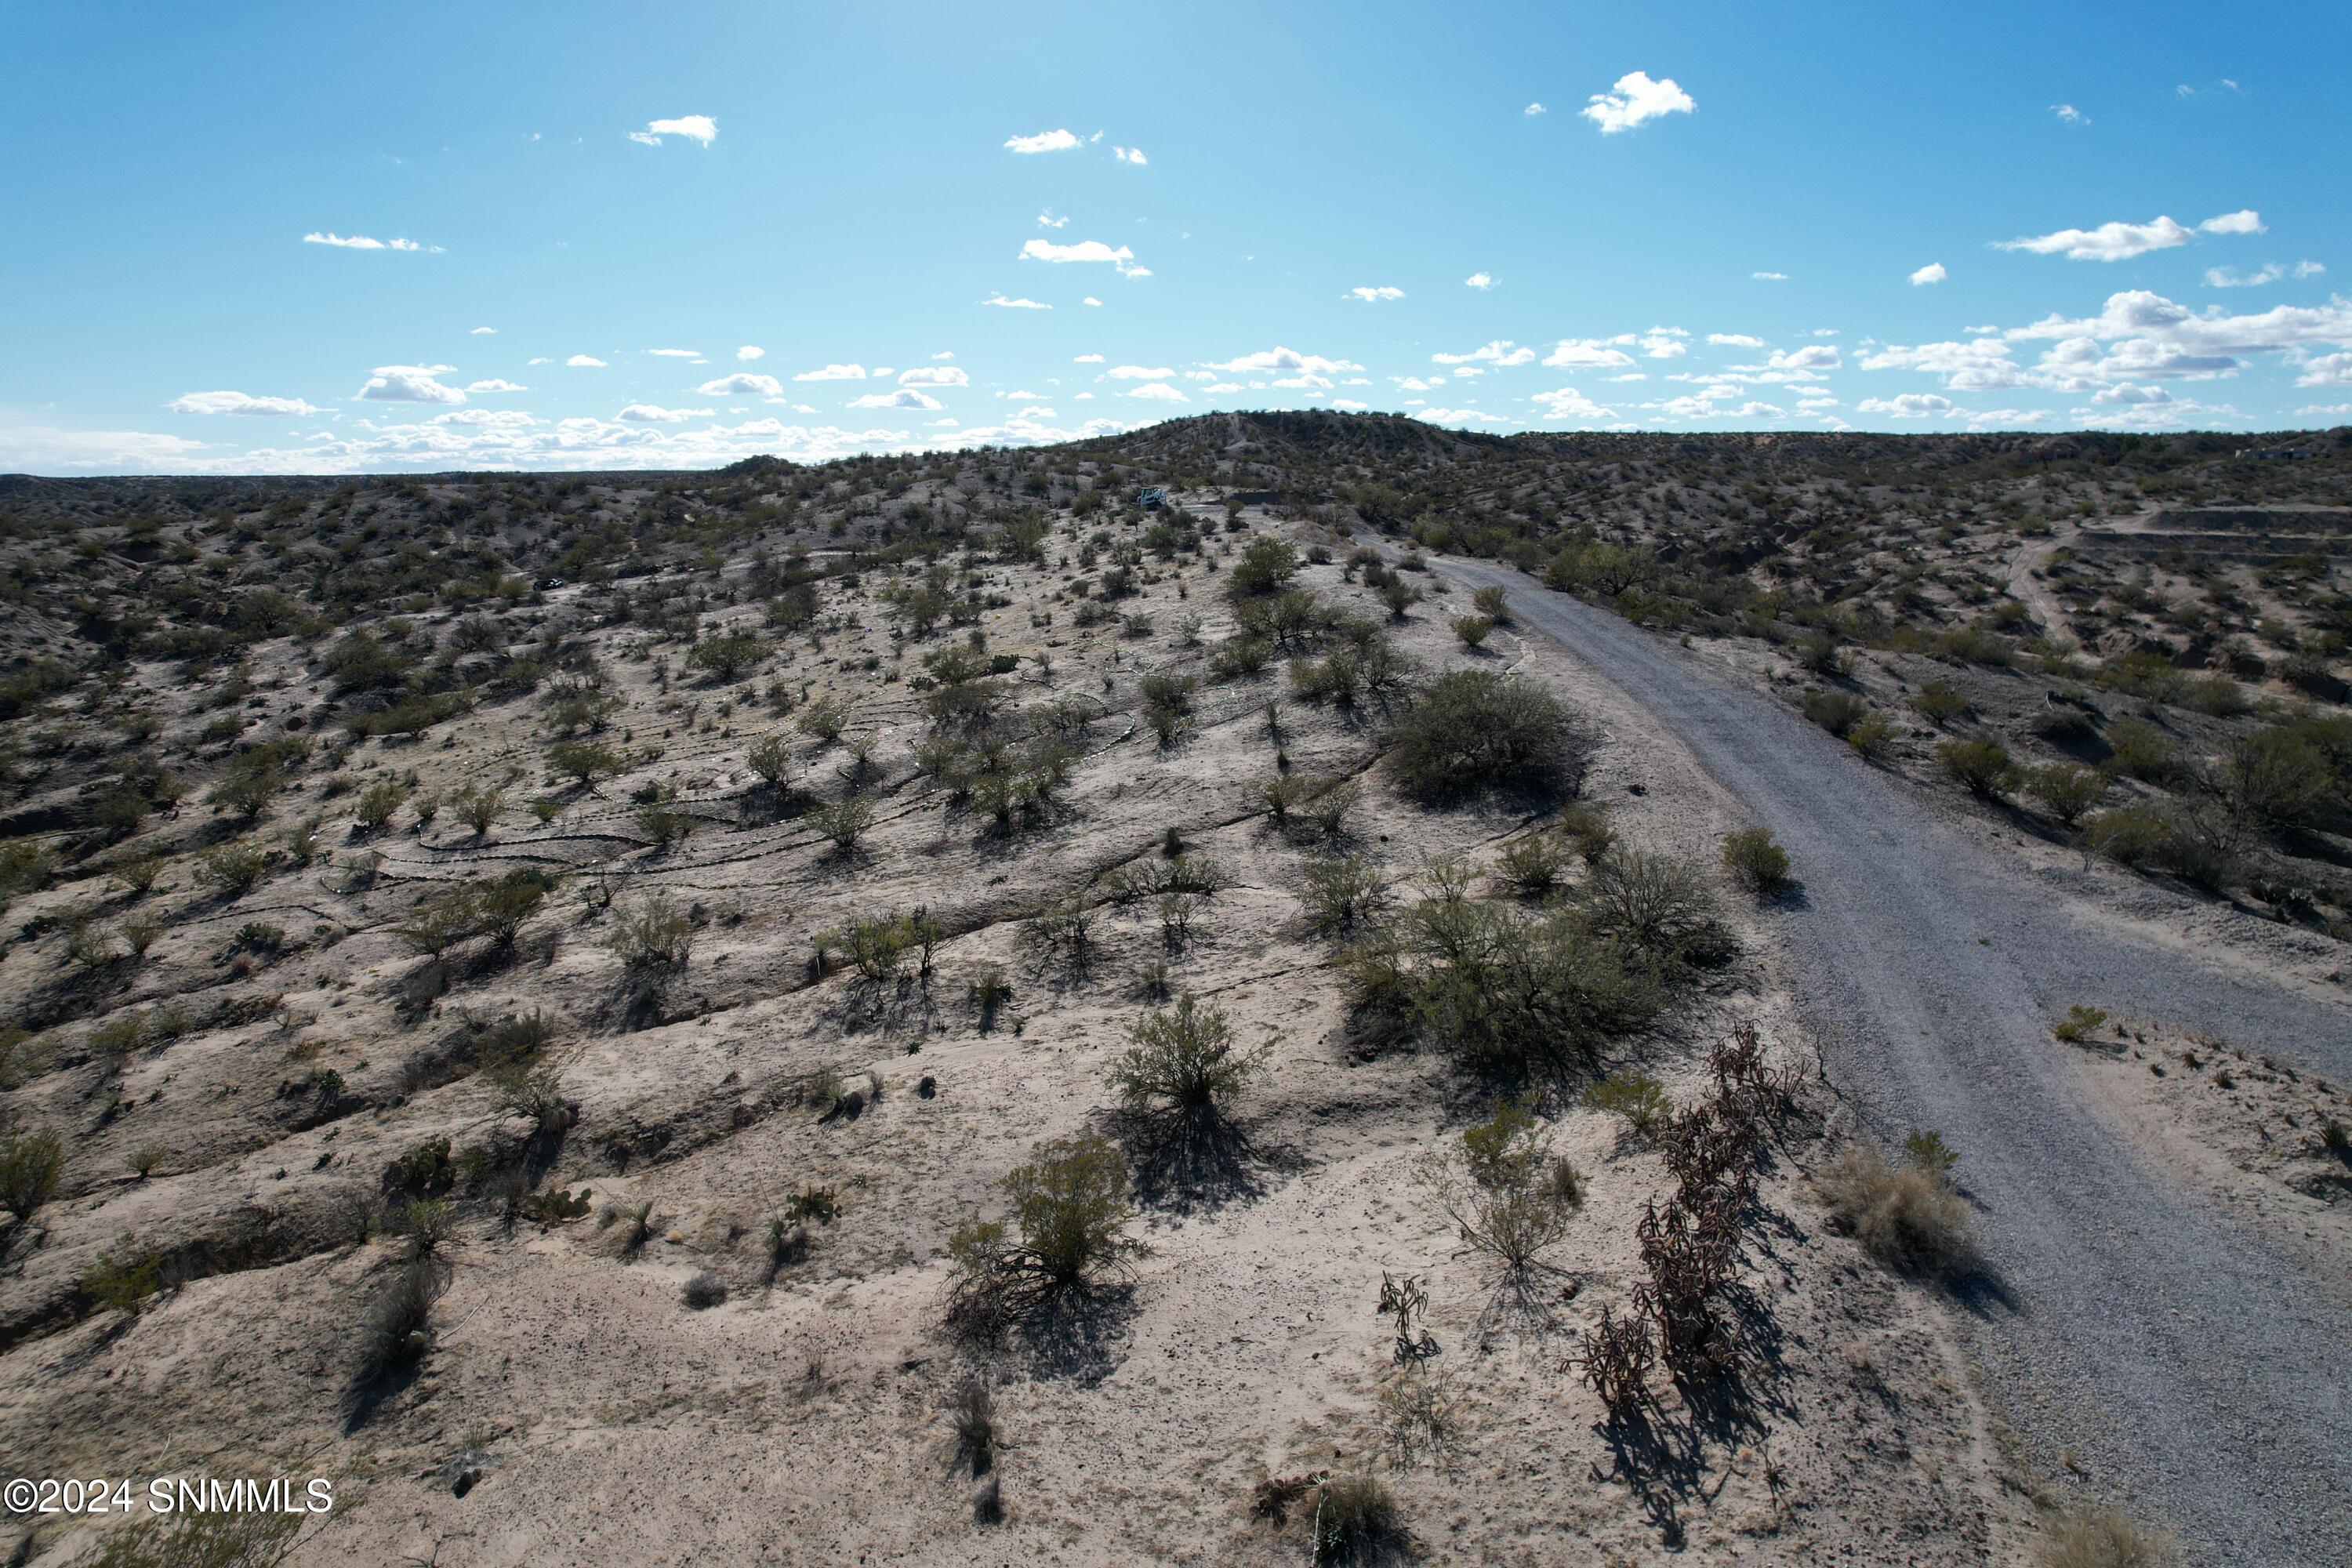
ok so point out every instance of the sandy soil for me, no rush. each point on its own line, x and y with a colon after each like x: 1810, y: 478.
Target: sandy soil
x: 574, y: 1410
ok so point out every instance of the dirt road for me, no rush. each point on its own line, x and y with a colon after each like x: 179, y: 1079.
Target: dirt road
x: 2177, y: 1362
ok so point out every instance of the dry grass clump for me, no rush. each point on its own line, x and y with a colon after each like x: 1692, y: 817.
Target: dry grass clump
x: 193, y: 1540
x: 2104, y: 1538
x: 1355, y: 1521
x: 30, y: 1166
x: 1907, y: 1216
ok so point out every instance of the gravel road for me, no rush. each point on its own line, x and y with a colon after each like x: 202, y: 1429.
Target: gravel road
x: 2191, y: 1370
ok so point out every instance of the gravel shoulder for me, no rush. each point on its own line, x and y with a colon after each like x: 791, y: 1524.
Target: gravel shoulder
x: 2133, y: 1334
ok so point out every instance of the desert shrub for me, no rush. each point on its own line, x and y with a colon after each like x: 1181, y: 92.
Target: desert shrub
x: 1654, y: 904
x: 2280, y: 778
x: 1472, y: 630
x: 703, y: 1291
x: 972, y: 1424
x: 1980, y: 766
x: 1533, y: 863
x: 1755, y: 861
x: 1588, y: 830
x: 438, y: 920
x: 844, y: 821
x: 398, y: 1331
x: 1873, y: 737
x: 1184, y: 1055
x: 1399, y: 596
x: 124, y: 1275
x: 1065, y: 921
x: 30, y: 1163
x: 584, y: 761
x: 1836, y: 711
x: 2214, y: 694
x: 2138, y: 749
x: 664, y: 824
x: 2081, y: 1022
x: 2103, y: 1538
x: 1167, y: 703
x: 877, y: 945
x: 1265, y: 567
x: 233, y: 869
x: 2202, y: 843
x: 112, y: 1042
x: 771, y: 760
x: 1928, y: 1152
x: 1634, y: 1095
x: 1939, y: 702
x: 427, y: 1223
x: 1494, y: 603
x: 728, y: 656
x: 1474, y: 730
x: 1355, y: 1521
x: 1329, y: 802
x: 376, y: 803
x: 654, y: 935
x: 1281, y: 793
x: 2128, y: 835
x: 1507, y: 995
x: 822, y: 718
x: 2067, y: 791
x: 1341, y: 892
x: 477, y: 808
x: 1240, y: 656
x: 1905, y: 1215
x: 1069, y: 1208
x: 502, y: 907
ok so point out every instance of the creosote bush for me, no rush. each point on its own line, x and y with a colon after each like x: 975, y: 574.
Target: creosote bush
x: 1068, y: 1211
x: 1755, y: 861
x: 1474, y: 730
x: 1185, y: 1057
x: 30, y: 1163
x: 1980, y: 766
x: 1634, y: 1095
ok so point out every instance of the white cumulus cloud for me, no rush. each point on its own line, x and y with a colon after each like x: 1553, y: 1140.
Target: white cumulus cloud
x: 833, y: 372
x: 1586, y: 353
x: 494, y: 383
x: 1502, y: 351
x: 999, y: 300
x: 1280, y: 358
x: 2121, y: 241
x: 904, y: 397
x: 361, y: 242
x: 693, y: 127
x: 239, y: 403
x: 1138, y: 372
x: 409, y: 384
x: 1932, y: 273
x: 1043, y: 142
x: 934, y: 376
x: 1634, y: 100
x: 743, y: 384
x: 1910, y: 406
x: 1129, y: 154
x: 1158, y: 390
x: 647, y: 414
x: 1478, y: 280
x: 584, y: 362
x: 751, y: 352
x: 1374, y: 294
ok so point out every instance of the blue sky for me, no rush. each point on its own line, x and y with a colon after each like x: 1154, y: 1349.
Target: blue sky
x: 1025, y: 224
